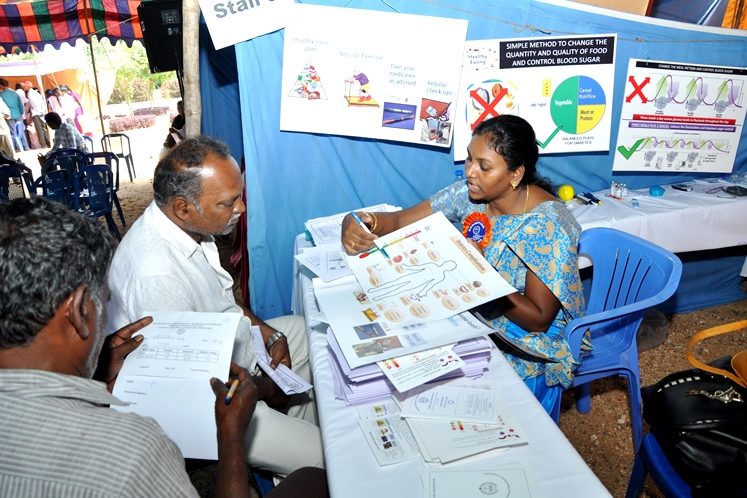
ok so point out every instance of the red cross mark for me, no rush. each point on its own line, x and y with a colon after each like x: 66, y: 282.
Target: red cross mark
x: 637, y: 89
x: 487, y: 108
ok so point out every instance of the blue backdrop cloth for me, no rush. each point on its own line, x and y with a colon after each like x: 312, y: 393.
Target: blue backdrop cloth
x: 292, y: 177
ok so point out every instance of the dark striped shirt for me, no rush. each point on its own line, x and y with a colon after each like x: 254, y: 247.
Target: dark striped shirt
x: 59, y: 438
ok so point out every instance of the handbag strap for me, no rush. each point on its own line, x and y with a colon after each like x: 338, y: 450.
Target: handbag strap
x: 741, y: 377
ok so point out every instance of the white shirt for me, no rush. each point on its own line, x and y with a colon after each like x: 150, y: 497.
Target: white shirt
x: 158, y: 267
x: 37, y: 107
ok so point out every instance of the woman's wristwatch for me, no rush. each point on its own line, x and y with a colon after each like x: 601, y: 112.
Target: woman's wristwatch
x: 274, y: 337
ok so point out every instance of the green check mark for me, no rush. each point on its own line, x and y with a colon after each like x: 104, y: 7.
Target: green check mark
x: 629, y: 152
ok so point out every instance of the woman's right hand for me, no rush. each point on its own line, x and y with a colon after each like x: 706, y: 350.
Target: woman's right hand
x: 354, y: 237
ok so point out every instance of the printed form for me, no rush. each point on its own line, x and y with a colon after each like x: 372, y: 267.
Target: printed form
x: 168, y: 376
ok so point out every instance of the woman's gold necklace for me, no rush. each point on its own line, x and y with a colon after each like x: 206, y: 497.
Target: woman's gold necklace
x: 526, y: 201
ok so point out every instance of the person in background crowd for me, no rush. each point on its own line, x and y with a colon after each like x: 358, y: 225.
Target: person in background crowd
x: 15, y: 123
x: 6, y: 138
x: 66, y: 136
x: 37, y: 110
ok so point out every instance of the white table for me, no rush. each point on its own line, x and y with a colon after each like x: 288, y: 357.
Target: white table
x: 352, y: 471
x: 678, y: 221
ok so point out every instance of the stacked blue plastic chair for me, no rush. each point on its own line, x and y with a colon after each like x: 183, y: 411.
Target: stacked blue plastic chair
x: 630, y: 275
x: 651, y: 459
x: 110, y: 159
x: 94, y: 189
x: 55, y: 184
x: 70, y: 160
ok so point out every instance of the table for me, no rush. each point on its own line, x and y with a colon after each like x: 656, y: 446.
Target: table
x: 678, y: 221
x: 352, y: 471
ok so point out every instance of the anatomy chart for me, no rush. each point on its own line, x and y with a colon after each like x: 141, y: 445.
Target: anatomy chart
x: 410, y: 292
x: 680, y: 117
x: 562, y: 86
x: 375, y: 75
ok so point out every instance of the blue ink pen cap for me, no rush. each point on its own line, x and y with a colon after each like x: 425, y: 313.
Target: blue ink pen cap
x: 656, y: 191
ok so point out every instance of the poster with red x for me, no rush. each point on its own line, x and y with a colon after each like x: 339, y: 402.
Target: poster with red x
x: 680, y: 117
x: 561, y: 85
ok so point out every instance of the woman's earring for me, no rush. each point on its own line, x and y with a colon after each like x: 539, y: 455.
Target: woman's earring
x: 513, y: 186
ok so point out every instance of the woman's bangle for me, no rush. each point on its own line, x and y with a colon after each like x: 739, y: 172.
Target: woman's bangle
x: 274, y: 337
x: 375, y: 222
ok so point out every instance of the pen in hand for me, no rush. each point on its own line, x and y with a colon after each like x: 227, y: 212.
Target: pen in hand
x: 232, y: 391
x: 360, y: 221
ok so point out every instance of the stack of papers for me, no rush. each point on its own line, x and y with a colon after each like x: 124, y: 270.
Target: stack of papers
x: 327, y: 259
x: 328, y: 229
x: 370, y: 383
x: 457, y: 419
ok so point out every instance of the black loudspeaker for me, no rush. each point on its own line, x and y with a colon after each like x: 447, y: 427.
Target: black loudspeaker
x: 161, y: 22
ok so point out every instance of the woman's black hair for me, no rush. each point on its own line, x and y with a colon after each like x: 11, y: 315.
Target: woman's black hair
x: 513, y: 138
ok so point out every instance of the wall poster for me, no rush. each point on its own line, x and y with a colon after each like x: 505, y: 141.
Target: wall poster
x: 561, y: 85
x: 680, y: 117
x: 380, y: 75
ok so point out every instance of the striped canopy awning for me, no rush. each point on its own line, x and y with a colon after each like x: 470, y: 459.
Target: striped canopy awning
x: 26, y: 23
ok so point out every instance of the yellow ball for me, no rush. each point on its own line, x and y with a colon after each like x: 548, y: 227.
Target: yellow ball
x: 566, y: 192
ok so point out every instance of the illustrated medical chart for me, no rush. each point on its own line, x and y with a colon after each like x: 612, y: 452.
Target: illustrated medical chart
x: 425, y: 271
x: 381, y: 75
x: 680, y: 117
x: 562, y: 85
x: 409, y: 293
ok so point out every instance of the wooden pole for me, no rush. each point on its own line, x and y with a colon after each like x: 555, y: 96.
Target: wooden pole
x: 191, y: 66
x: 87, y: 13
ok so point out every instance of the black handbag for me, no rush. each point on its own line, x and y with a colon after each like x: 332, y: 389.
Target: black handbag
x: 700, y: 421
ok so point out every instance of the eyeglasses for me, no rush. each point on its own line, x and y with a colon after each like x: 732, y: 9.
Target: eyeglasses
x: 720, y: 192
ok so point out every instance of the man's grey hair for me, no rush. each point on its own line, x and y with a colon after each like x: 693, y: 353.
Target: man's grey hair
x: 178, y: 173
x: 46, y: 252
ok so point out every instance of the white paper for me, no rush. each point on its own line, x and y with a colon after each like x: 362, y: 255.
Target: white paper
x: 168, y: 376
x: 465, y: 401
x: 233, y: 21
x: 285, y: 378
x: 444, y: 441
x: 326, y: 261
x: 409, y: 371
x: 388, y: 436
x: 328, y: 229
x: 498, y: 482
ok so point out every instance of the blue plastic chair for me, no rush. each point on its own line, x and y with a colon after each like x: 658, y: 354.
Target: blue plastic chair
x: 94, y: 190
x: 57, y: 185
x: 68, y: 159
x: 630, y: 275
x: 111, y: 160
x: 263, y: 481
x: 651, y: 458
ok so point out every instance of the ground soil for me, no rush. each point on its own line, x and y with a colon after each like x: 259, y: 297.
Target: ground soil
x: 602, y: 437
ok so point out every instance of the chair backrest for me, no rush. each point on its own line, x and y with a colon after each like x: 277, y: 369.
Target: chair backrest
x: 108, y: 158
x: 89, y: 141
x: 13, y: 169
x: 630, y: 275
x: 67, y: 159
x: 99, y: 181
x: 56, y: 184
x: 118, y: 143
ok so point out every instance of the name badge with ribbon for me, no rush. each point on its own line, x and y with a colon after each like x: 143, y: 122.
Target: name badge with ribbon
x: 476, y: 227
